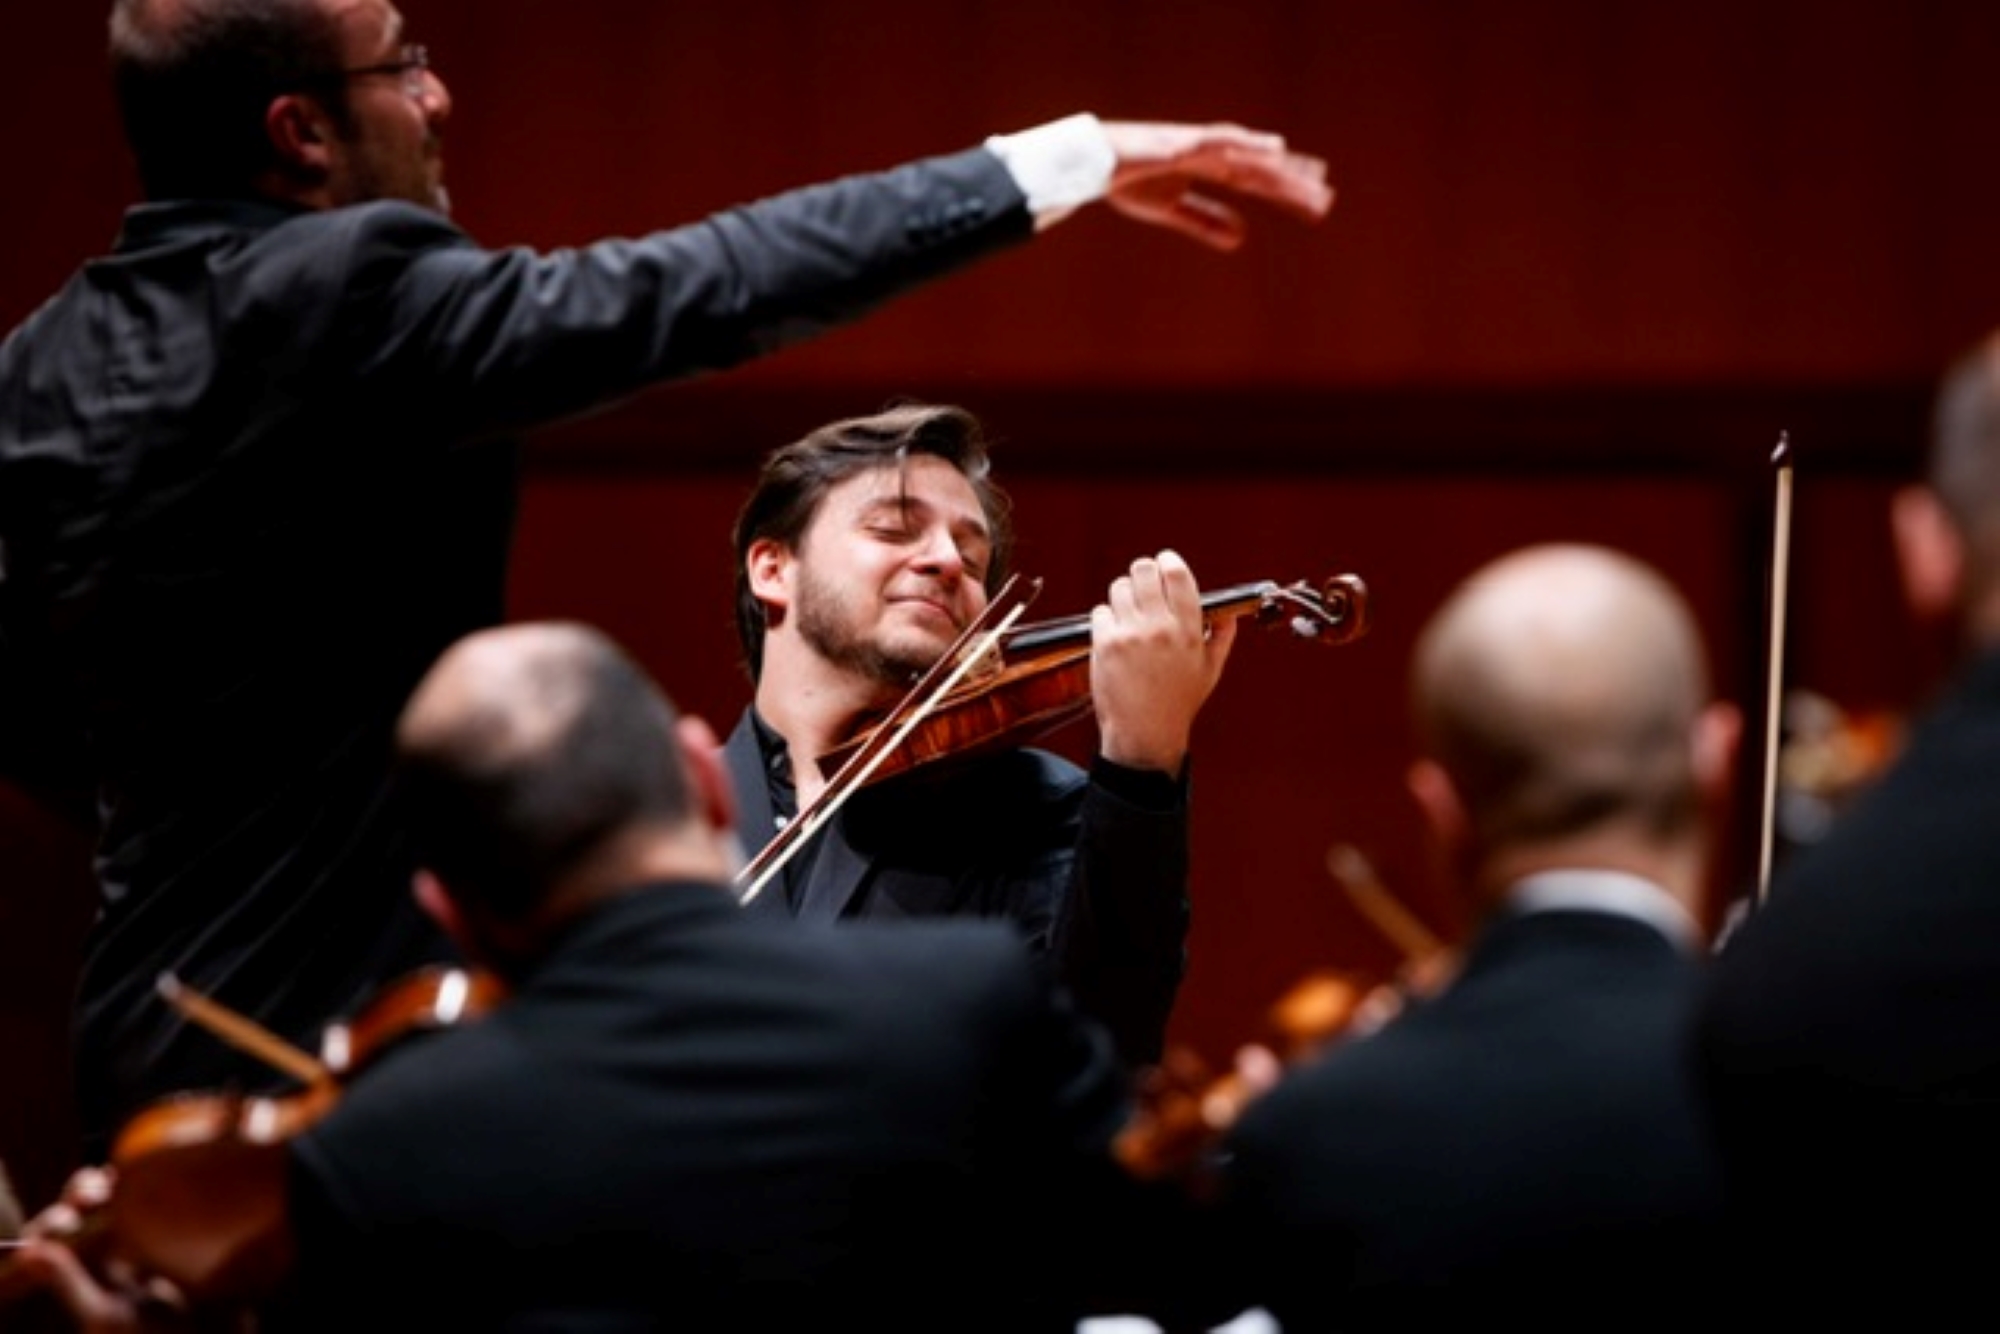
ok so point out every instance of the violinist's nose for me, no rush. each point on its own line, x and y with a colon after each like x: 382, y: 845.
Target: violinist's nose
x: 939, y: 555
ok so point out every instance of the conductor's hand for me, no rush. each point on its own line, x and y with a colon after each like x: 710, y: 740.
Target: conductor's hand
x: 1154, y: 658
x: 1185, y: 177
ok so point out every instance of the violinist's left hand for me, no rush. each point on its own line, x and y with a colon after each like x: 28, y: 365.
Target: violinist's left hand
x: 1154, y: 658
x: 90, y: 1305
x: 94, y: 1304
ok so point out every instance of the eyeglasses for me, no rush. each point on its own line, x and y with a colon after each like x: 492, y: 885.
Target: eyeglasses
x: 412, y: 64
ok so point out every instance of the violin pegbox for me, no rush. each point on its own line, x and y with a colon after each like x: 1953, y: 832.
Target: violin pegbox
x: 1335, y: 613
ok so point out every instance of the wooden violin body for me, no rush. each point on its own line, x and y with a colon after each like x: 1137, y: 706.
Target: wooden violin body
x: 199, y: 1180
x: 1039, y: 678
x: 1002, y: 684
x: 1184, y: 1108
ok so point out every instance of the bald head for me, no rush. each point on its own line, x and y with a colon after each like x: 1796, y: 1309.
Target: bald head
x: 500, y: 698
x: 1559, y: 688
x: 525, y: 751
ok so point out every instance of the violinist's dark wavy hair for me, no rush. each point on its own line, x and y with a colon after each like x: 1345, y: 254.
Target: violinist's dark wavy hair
x: 193, y: 80
x: 796, y: 478
x: 514, y: 788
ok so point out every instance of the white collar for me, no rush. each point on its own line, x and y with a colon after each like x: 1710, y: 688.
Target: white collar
x: 1617, y: 892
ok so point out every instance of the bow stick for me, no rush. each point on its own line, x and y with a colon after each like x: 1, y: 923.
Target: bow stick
x: 240, y: 1031
x: 1781, y: 528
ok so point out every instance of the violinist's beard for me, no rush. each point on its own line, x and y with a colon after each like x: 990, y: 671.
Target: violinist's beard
x: 828, y: 627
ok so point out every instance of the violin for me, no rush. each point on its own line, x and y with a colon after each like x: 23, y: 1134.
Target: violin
x: 999, y: 686
x: 428, y: 999
x: 1183, y: 1107
x: 1036, y: 677
x: 422, y: 1002
x: 199, y: 1179
x: 1826, y: 756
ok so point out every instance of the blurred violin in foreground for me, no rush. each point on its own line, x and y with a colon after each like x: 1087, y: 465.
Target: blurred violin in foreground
x: 1827, y: 755
x: 1184, y: 1107
x: 196, y: 1199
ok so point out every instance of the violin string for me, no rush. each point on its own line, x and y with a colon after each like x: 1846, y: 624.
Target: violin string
x: 956, y: 662
x: 754, y: 871
x: 823, y: 810
x: 1316, y: 614
x: 1244, y: 599
x: 969, y: 651
x: 882, y: 734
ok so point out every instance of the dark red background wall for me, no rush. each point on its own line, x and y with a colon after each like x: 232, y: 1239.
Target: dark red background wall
x: 1588, y: 262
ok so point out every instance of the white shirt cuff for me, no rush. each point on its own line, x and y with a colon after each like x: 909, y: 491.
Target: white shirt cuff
x: 1059, y: 165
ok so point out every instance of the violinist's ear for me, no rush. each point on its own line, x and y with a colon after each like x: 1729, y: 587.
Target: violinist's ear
x: 1930, y: 554
x: 439, y: 906
x: 768, y: 562
x: 1718, y: 734
x: 1443, y: 810
x: 713, y: 790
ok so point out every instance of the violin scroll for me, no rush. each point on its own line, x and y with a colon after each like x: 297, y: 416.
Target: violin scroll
x: 1334, y: 613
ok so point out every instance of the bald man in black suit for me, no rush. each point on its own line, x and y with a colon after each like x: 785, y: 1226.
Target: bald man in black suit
x: 1526, y: 1142
x: 682, y: 1115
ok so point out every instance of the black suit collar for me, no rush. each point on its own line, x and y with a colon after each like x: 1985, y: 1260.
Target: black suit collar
x: 822, y: 880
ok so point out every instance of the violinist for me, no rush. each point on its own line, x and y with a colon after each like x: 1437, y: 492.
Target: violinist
x: 1850, y: 1036
x: 684, y: 1115
x: 1524, y: 1142
x: 863, y: 550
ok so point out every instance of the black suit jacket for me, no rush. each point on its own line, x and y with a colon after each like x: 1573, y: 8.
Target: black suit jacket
x: 1096, y: 882
x: 254, y: 476
x: 1527, y: 1145
x: 1850, y: 1037
x: 692, y: 1117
